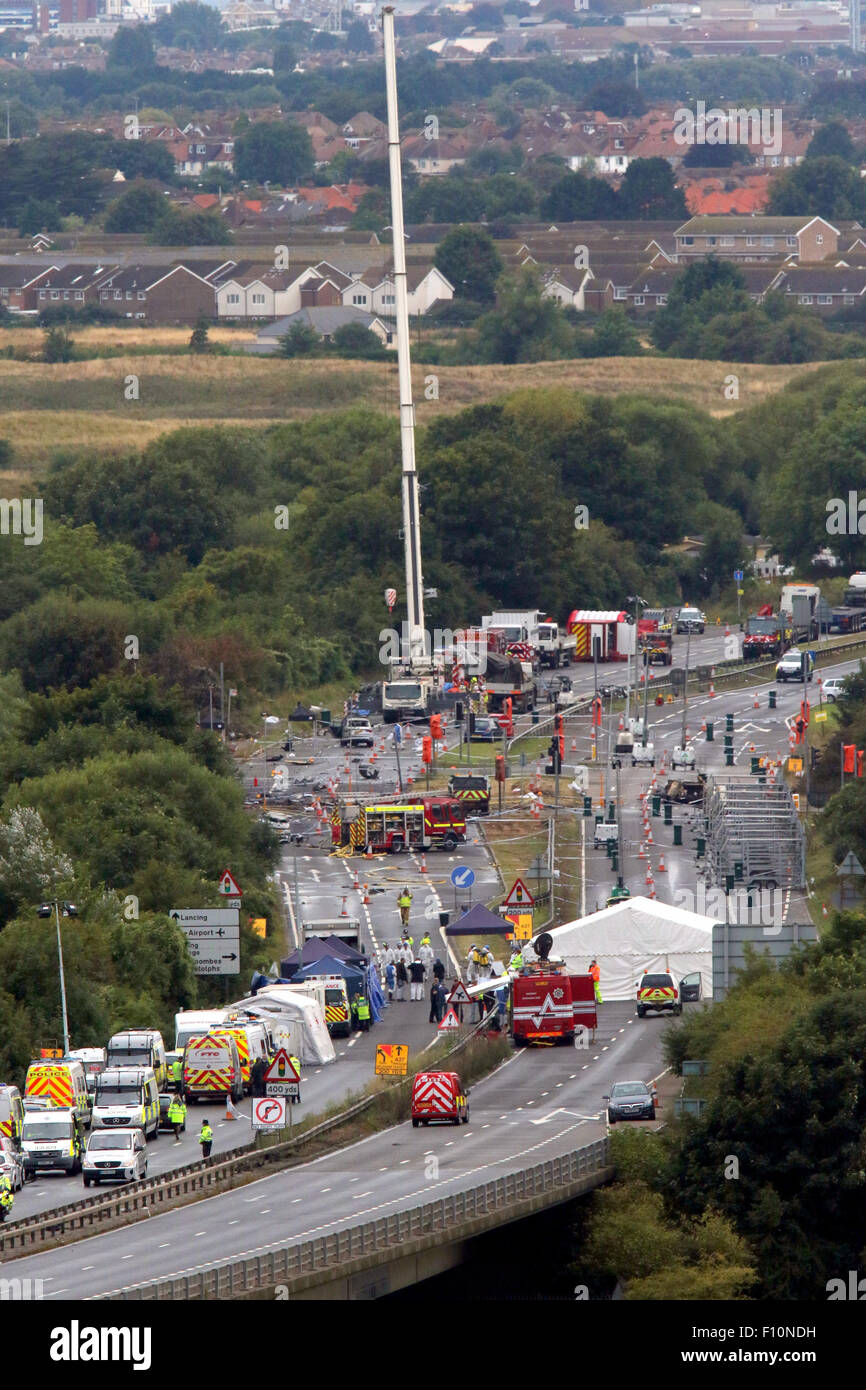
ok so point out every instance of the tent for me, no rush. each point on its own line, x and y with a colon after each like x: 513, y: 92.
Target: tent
x: 283, y: 1004
x: 634, y: 935
x: 479, y: 922
x: 315, y: 949
x: 357, y: 978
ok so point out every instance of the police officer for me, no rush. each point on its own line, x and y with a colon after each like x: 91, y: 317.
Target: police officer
x: 6, y: 1200
x: 404, y: 902
x: 296, y: 1063
x: 177, y: 1116
x: 425, y: 939
x: 177, y: 1072
x: 205, y: 1138
x: 363, y: 1013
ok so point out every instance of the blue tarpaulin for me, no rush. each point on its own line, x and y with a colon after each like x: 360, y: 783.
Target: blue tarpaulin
x: 356, y: 977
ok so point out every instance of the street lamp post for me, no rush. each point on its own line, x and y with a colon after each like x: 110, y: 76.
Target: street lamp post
x: 68, y: 911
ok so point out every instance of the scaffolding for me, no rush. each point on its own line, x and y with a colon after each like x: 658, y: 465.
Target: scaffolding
x: 754, y: 835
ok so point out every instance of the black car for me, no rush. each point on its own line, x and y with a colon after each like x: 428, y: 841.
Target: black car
x: 165, y: 1100
x: 486, y: 730
x: 630, y: 1100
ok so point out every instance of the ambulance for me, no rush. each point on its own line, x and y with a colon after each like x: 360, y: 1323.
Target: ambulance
x: 11, y: 1113
x: 251, y: 1038
x: 212, y: 1068
x: 62, y: 1083
x: 439, y: 1096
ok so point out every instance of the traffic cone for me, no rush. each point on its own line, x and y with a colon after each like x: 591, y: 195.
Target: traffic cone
x: 423, y: 862
x: 649, y: 836
x: 621, y: 725
x: 652, y: 891
x: 662, y: 869
x: 649, y: 875
x: 703, y: 726
x: 727, y: 630
x: 367, y: 892
x: 641, y: 854
x: 231, y: 1113
x: 712, y: 693
x: 574, y: 745
x: 757, y: 704
x: 356, y: 887
x: 343, y: 912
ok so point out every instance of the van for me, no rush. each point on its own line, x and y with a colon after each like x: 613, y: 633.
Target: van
x: 252, y: 1043
x: 62, y: 1083
x: 439, y: 1095
x: 212, y: 1068
x: 52, y: 1139
x: 192, y: 1023
x: 125, y: 1097
x: 93, y: 1061
x: 333, y: 998
x: 139, y: 1047
x: 11, y: 1112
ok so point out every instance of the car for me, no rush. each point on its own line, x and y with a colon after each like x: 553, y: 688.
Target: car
x: 691, y: 620
x: 11, y: 1166
x: 118, y: 1155
x: 165, y: 1100
x: 631, y: 1100
x: 790, y: 668
x: 690, y: 988
x: 486, y: 730
x: 659, y: 993
x: 356, y: 729
x: 834, y: 688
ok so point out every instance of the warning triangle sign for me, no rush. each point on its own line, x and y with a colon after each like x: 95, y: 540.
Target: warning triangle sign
x: 850, y: 864
x: 282, y: 1068
x: 229, y: 886
x: 459, y: 994
x: 519, y: 896
x: 449, y: 1022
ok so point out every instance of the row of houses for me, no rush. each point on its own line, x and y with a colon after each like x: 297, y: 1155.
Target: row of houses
x: 227, y: 290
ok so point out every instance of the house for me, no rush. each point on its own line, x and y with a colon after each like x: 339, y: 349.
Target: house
x: 825, y: 289
x: 323, y: 321
x: 158, y: 294
x: 433, y: 157
x: 75, y: 285
x: 425, y: 285
x: 804, y: 239
x: 566, y: 286
x: 255, y: 294
x: 19, y: 282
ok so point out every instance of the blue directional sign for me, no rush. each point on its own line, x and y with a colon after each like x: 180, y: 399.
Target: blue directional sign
x: 462, y: 877
x: 738, y: 574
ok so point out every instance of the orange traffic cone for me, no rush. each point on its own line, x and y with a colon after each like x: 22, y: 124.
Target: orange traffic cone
x: 641, y: 854
x: 574, y: 745
x: 423, y: 862
x: 621, y: 725
x: 649, y: 836
x: 343, y: 912
x: 356, y: 887
x: 662, y: 864
x: 757, y: 704
x: 712, y: 692
x: 649, y: 875
x: 367, y: 894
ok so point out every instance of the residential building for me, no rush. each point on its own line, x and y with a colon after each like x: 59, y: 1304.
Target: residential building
x: 74, y: 285
x: 804, y: 239
x: 323, y: 321
x: 158, y: 294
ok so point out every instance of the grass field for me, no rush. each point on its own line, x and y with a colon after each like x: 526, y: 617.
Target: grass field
x: 82, y: 404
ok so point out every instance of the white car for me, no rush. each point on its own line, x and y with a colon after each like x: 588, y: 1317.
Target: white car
x: 11, y: 1166
x: 790, y: 668
x: 683, y: 757
x: 118, y: 1155
x: 833, y: 688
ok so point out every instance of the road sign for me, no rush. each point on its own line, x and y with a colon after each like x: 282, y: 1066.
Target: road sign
x: 259, y: 925
x: 459, y: 994
x: 282, y: 1068
x: 229, y: 886
x: 738, y: 574
x: 392, y: 1059
x: 519, y: 896
x: 449, y: 1022
x: 522, y: 924
x: 205, y: 916
x: 269, y: 1112
x: 850, y: 865
x: 820, y: 715
x: 462, y: 876
x: 283, y: 1088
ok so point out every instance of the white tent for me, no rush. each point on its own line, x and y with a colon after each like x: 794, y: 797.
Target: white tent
x: 634, y: 935
x: 286, y: 1004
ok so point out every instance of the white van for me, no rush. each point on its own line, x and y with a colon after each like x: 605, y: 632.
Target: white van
x: 60, y: 1082
x: 193, y: 1023
x: 93, y: 1061
x: 11, y: 1113
x: 332, y: 994
x: 139, y: 1047
x: 52, y: 1139
x: 127, y: 1097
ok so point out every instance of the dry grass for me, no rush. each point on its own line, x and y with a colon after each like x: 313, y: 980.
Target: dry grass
x: 82, y: 404
x: 98, y: 337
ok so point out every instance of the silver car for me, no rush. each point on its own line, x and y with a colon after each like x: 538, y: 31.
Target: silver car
x: 630, y: 1100
x: 118, y: 1155
x: 834, y: 688
x: 11, y: 1166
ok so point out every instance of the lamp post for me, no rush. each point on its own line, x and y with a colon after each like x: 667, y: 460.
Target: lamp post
x: 69, y: 910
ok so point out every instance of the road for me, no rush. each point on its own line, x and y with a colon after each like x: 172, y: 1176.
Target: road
x: 538, y: 1103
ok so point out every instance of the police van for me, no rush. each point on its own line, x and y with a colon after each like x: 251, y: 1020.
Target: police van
x: 127, y: 1097
x: 139, y: 1047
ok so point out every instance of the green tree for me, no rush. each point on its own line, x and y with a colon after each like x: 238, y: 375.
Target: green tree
x: 299, y: 340
x: 356, y: 340
x: 616, y: 97
x: 38, y: 215
x: 132, y: 48
x: 57, y: 346
x: 190, y: 25
x: 199, y: 340
x: 832, y: 139
x: 277, y: 152
x: 285, y: 58
x: 825, y: 186
x: 705, y: 288
x: 467, y: 256
x: 176, y: 228
x: 525, y: 326
x: 136, y: 210
x: 614, y: 335
x: 578, y: 197
x: 358, y: 38
x: 648, y: 191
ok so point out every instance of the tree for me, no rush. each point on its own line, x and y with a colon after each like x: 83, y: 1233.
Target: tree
x: 356, y: 340
x: 176, y: 228
x: 831, y: 139
x: 614, y: 335
x: 467, y: 256
x: 190, y: 25
x: 616, y: 97
x: 145, y: 159
x: 38, y: 215
x: 706, y: 156
x: 705, y: 288
x: 358, y: 38
x: 299, y: 340
x: 131, y: 48
x: 136, y: 210
x: 648, y: 191
x: 199, y: 341
x: 277, y: 152
x: 57, y: 346
x: 525, y: 326
x: 579, y: 197
x: 31, y: 866
x: 285, y: 58
x: 824, y: 186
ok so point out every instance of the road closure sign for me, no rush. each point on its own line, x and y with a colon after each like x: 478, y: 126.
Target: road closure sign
x: 269, y: 1112
x: 392, y: 1059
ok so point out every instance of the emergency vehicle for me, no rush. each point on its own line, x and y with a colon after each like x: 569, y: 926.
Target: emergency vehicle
x: 542, y: 1009
x: 439, y: 1095
x: 252, y: 1042
x: 62, y: 1084
x: 473, y: 789
x: 427, y: 822
x: 613, y: 630
x: 212, y: 1068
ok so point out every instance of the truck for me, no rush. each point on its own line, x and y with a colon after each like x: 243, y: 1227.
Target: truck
x: 542, y: 1009
x: 509, y: 678
x: 346, y: 929
x: 848, y: 619
x: 555, y: 647
x: 406, y: 697
x: 798, y: 606
x: 855, y: 594
x: 473, y: 790
x: 425, y: 822
x: 765, y: 634
x: 658, y: 646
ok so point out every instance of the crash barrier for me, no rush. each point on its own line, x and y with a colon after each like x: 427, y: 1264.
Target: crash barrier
x: 425, y: 1225
x: 89, y: 1216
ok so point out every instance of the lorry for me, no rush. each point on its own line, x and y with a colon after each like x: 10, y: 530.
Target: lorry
x: 407, y: 696
x: 427, y: 822
x: 509, y: 679
x: 855, y: 594
x: 346, y: 929
x: 613, y: 631
x: 555, y: 647
x: 798, y: 606
x: 473, y: 790
x: 765, y: 634
x: 658, y: 647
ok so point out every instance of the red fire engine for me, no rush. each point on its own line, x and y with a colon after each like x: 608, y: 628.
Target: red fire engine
x: 548, y: 1005
x: 419, y: 822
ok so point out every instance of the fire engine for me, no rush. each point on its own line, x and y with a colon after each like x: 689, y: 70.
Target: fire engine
x: 542, y: 1011
x: 766, y: 634
x: 425, y: 822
